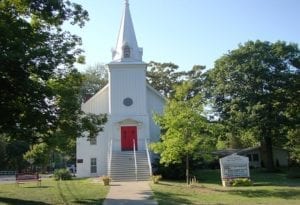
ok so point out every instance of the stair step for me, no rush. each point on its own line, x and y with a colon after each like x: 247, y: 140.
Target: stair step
x: 123, y: 167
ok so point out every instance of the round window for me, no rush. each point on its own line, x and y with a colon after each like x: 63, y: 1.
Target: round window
x: 127, y: 101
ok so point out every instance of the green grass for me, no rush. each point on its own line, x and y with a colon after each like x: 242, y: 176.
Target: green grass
x: 269, y: 188
x: 77, y: 191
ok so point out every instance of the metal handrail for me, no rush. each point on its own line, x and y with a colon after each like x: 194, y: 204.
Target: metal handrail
x: 135, y: 163
x: 148, y: 157
x: 109, y: 158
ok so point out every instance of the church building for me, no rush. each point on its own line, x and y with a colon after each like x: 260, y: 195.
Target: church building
x: 121, y: 149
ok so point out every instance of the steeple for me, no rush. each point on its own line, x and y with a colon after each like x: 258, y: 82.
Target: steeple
x: 127, y: 49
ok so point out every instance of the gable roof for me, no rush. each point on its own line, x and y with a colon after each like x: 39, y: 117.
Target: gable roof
x: 156, y: 92
x: 97, y: 93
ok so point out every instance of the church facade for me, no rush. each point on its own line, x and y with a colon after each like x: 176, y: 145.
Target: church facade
x: 121, y: 149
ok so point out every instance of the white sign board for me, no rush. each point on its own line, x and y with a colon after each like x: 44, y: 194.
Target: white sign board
x: 234, y: 166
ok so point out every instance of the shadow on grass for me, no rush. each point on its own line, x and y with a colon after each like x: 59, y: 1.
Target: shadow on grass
x: 88, y: 201
x: 170, y: 199
x: 61, y: 192
x: 279, y: 193
x: 36, y: 187
x: 262, y: 184
x: 12, y: 201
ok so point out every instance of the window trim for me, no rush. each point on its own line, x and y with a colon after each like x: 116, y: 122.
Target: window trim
x: 93, y: 165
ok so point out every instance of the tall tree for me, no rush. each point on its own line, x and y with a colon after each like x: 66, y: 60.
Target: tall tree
x: 39, y: 154
x: 33, y: 46
x: 253, y: 89
x: 163, y: 77
x: 70, y: 121
x: 185, y: 130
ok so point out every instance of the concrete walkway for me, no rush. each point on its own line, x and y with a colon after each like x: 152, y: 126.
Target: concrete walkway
x: 125, y: 193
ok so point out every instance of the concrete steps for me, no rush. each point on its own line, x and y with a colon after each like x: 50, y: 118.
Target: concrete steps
x: 123, y: 166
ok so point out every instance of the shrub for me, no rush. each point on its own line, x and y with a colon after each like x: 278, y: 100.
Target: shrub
x: 293, y: 173
x: 241, y: 182
x: 62, y: 174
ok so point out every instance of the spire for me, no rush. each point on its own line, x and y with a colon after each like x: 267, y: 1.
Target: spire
x: 127, y: 49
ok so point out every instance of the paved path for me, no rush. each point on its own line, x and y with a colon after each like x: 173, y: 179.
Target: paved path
x: 125, y: 193
x: 7, y: 179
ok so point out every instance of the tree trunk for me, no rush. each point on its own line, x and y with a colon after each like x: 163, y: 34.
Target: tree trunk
x: 187, y: 170
x: 268, y: 152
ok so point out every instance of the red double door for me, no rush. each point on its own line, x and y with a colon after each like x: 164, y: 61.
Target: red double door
x: 128, y: 136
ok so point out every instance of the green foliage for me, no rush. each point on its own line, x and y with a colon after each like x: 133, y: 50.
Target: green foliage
x: 3, y: 159
x: 254, y: 91
x: 171, y: 171
x: 164, y: 77
x: 185, y: 132
x: 33, y: 49
x: 94, y: 78
x: 241, y: 182
x: 39, y: 153
x: 293, y: 144
x: 293, y: 172
x: 71, y: 122
x: 15, y: 149
x: 62, y: 174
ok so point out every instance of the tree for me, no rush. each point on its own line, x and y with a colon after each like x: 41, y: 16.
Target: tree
x: 253, y: 89
x: 3, y: 154
x: 95, y: 78
x: 185, y: 131
x: 163, y: 77
x: 39, y: 154
x: 14, y: 153
x: 34, y: 48
x: 71, y: 122
x: 293, y: 144
x: 197, y: 77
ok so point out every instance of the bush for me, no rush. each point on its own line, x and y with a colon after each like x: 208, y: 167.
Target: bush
x: 293, y: 173
x: 62, y: 174
x: 173, y: 171
x: 241, y: 182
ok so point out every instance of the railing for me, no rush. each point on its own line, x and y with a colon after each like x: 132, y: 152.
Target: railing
x: 135, y: 164
x: 148, y: 157
x: 109, y: 158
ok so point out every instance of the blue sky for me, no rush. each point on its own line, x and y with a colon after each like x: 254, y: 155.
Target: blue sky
x: 187, y: 32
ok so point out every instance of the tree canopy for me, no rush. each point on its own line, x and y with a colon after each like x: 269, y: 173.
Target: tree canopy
x: 186, y: 133
x: 95, y: 78
x: 164, y: 77
x: 255, y: 89
x: 33, y: 49
x: 40, y: 99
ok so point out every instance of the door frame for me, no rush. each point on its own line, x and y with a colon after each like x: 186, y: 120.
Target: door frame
x: 127, y: 145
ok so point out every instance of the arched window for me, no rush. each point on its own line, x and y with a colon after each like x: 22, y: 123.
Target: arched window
x: 126, y: 51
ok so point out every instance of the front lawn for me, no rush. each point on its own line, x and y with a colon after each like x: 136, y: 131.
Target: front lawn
x: 77, y: 191
x: 269, y: 188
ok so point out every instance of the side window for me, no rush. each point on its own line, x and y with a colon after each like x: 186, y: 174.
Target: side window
x: 93, y: 141
x: 93, y: 165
